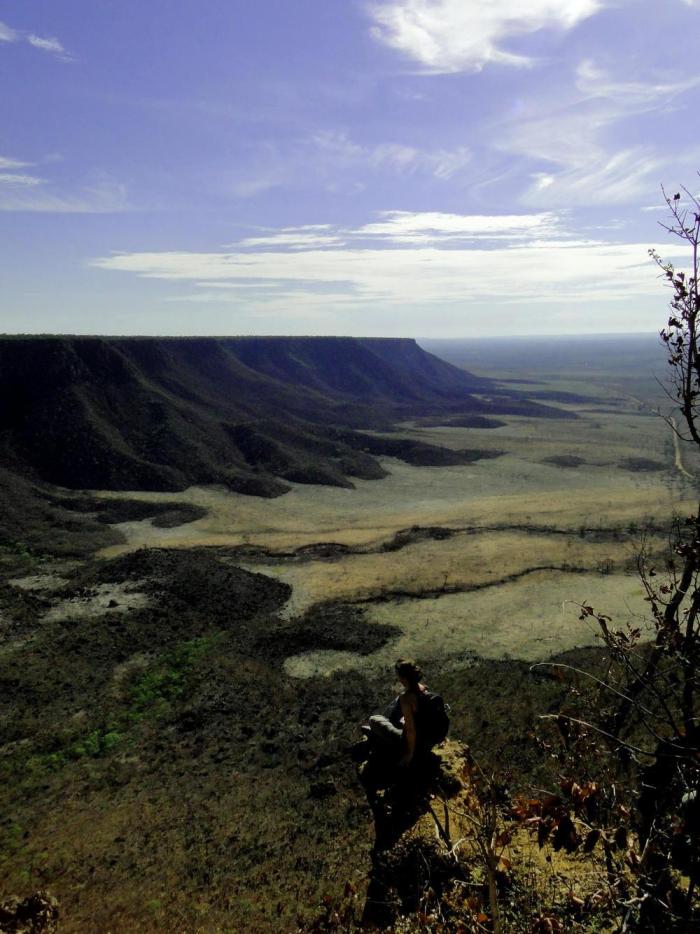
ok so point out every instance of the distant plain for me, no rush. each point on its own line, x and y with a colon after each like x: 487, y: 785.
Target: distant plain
x: 556, y: 520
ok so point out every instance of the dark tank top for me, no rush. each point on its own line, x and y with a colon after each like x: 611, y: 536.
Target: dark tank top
x: 421, y: 718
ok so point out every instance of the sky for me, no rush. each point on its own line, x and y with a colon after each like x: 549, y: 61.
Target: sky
x: 423, y: 168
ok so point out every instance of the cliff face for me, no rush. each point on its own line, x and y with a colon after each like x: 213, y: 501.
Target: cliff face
x: 163, y: 413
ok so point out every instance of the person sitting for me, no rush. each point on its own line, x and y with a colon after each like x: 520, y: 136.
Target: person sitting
x: 410, y: 726
x: 395, y: 732
x: 396, y: 755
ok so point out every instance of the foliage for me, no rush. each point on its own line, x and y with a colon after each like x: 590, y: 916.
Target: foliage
x: 628, y: 743
x: 166, y: 681
x: 149, y: 698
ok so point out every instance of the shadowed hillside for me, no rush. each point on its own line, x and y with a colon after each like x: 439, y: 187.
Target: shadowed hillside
x: 163, y: 414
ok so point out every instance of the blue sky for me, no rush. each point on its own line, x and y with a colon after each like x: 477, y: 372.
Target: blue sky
x: 425, y: 168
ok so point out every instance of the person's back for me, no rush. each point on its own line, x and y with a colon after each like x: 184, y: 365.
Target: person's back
x: 411, y: 725
x: 431, y: 719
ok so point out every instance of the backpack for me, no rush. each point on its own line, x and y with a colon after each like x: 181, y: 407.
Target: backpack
x: 434, y: 718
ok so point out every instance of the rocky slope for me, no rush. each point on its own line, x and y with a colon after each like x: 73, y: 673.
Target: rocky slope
x: 164, y: 413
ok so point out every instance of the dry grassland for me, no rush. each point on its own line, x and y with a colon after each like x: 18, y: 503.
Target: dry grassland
x: 533, y: 535
x: 530, y: 618
x: 509, y: 490
x: 601, y: 436
x: 466, y: 560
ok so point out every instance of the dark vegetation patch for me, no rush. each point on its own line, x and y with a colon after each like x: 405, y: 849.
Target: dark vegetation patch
x: 464, y: 421
x: 324, y: 550
x: 641, y: 464
x: 20, y: 612
x: 418, y: 452
x: 342, y: 627
x: 40, y: 520
x: 305, y: 457
x: 564, y: 460
x: 511, y: 402
x: 417, y: 533
x: 113, y: 511
x: 178, y: 514
x: 30, y: 523
x: 191, y: 579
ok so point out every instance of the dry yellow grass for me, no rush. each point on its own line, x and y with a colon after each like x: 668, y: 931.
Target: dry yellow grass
x: 497, y: 500
x: 465, y: 560
x: 503, y: 491
x: 530, y: 618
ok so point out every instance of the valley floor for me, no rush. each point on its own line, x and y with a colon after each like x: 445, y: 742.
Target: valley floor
x: 490, y: 559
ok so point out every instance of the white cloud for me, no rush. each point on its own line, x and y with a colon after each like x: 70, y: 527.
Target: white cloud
x: 462, y: 260
x: 51, y: 45
x: 395, y: 228
x: 45, y: 44
x: 429, y: 226
x: 447, y: 36
x: 6, y: 163
x: 290, y: 238
x: 7, y: 34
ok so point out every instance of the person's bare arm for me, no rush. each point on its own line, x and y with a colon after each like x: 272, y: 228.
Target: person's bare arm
x: 409, y: 729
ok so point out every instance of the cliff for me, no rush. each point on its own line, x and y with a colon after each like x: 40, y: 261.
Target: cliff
x: 164, y: 413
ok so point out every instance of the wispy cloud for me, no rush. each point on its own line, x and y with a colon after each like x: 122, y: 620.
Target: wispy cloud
x: 294, y: 238
x: 407, y: 260
x: 397, y: 157
x: 7, y: 34
x: 608, y: 179
x: 332, y: 160
x: 642, y: 94
x: 447, y: 36
x: 575, y: 136
x: 14, y: 179
x: 51, y: 45
x: 29, y: 193
x: 6, y: 163
x: 48, y: 44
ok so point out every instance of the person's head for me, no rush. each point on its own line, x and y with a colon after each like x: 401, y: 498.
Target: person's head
x: 408, y: 672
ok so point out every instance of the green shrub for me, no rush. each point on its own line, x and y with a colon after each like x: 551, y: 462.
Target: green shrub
x: 155, y: 690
